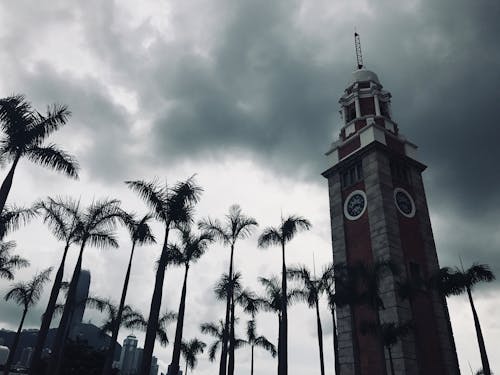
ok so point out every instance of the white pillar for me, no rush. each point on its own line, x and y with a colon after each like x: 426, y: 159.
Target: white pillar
x: 344, y: 115
x: 358, y: 109
x: 377, y: 105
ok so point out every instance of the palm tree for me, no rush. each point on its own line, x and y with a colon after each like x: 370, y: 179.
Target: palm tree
x: 459, y: 281
x: 61, y: 215
x: 172, y: 207
x: 95, y: 228
x: 260, y: 341
x: 190, y: 350
x: 192, y: 248
x: 140, y: 234
x: 391, y: 333
x: 310, y: 292
x: 236, y: 226
x: 280, y: 236
x: 9, y: 262
x: 25, y: 130
x: 217, y: 332
x: 27, y: 295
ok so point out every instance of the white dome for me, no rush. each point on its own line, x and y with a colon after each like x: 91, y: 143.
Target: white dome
x: 363, y: 75
x: 4, y: 354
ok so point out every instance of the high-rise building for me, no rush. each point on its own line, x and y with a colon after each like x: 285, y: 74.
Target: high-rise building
x: 379, y: 212
x: 155, y: 367
x: 128, y: 359
x: 82, y: 292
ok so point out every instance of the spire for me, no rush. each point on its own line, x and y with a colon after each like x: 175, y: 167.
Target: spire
x: 357, y: 44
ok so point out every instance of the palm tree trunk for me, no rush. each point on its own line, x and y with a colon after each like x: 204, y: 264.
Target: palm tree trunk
x: 108, y: 364
x: 225, y: 332
x: 336, y: 363
x: 173, y: 369
x: 154, y: 311
x: 279, y: 341
x: 230, y: 366
x: 35, y: 367
x: 14, y: 344
x: 7, y: 183
x: 186, y: 368
x: 480, y: 339
x: 251, y: 363
x: 62, y: 331
x: 283, y: 357
x: 320, y: 340
x: 390, y: 360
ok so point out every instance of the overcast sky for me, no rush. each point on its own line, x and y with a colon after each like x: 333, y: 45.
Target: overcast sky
x: 244, y: 93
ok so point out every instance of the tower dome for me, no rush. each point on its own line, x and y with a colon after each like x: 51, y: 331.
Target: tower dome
x: 364, y: 75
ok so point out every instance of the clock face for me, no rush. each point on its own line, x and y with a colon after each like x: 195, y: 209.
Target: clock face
x: 355, y: 205
x: 404, y: 202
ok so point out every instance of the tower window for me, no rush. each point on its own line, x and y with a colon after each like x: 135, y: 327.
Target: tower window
x: 350, y: 112
x: 351, y: 175
x: 364, y: 85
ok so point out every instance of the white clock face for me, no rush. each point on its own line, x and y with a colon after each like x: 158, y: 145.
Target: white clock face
x: 404, y: 202
x: 355, y: 205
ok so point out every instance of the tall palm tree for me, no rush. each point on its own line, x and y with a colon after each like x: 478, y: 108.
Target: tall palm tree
x: 250, y: 303
x: 391, y: 334
x: 257, y: 341
x: 236, y: 226
x: 27, y: 295
x: 190, y: 350
x: 96, y: 228
x: 459, y: 281
x: 280, y: 236
x: 9, y: 262
x: 172, y: 207
x: 140, y: 234
x: 61, y: 215
x: 25, y: 130
x: 310, y: 291
x: 192, y: 248
x: 272, y: 300
x: 216, y: 330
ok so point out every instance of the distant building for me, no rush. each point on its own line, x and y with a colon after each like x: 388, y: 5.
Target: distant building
x: 82, y: 293
x: 154, y: 366
x: 26, y: 357
x: 128, y: 359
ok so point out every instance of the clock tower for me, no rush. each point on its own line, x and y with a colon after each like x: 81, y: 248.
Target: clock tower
x: 379, y: 212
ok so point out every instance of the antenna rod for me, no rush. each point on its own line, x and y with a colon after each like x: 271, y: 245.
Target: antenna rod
x: 357, y: 44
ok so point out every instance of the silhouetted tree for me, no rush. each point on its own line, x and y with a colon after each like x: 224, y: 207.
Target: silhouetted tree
x: 9, y: 262
x: 25, y: 130
x: 310, y: 291
x: 391, y: 334
x: 236, y: 226
x: 61, y: 215
x: 257, y: 341
x: 140, y: 234
x: 191, y: 248
x: 26, y: 295
x: 96, y: 228
x: 172, y: 207
x: 280, y: 236
x: 217, y: 331
x: 459, y: 281
x: 190, y: 350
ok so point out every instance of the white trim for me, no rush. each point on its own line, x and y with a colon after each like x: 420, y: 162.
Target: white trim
x: 413, y: 209
x: 377, y: 105
x: 358, y: 108
x: 347, y: 215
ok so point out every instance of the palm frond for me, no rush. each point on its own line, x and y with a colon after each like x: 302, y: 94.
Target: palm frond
x: 270, y: 236
x: 293, y: 224
x: 55, y: 158
x: 12, y: 217
x: 154, y: 195
x: 43, y: 126
x: 103, y: 239
x: 265, y: 344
